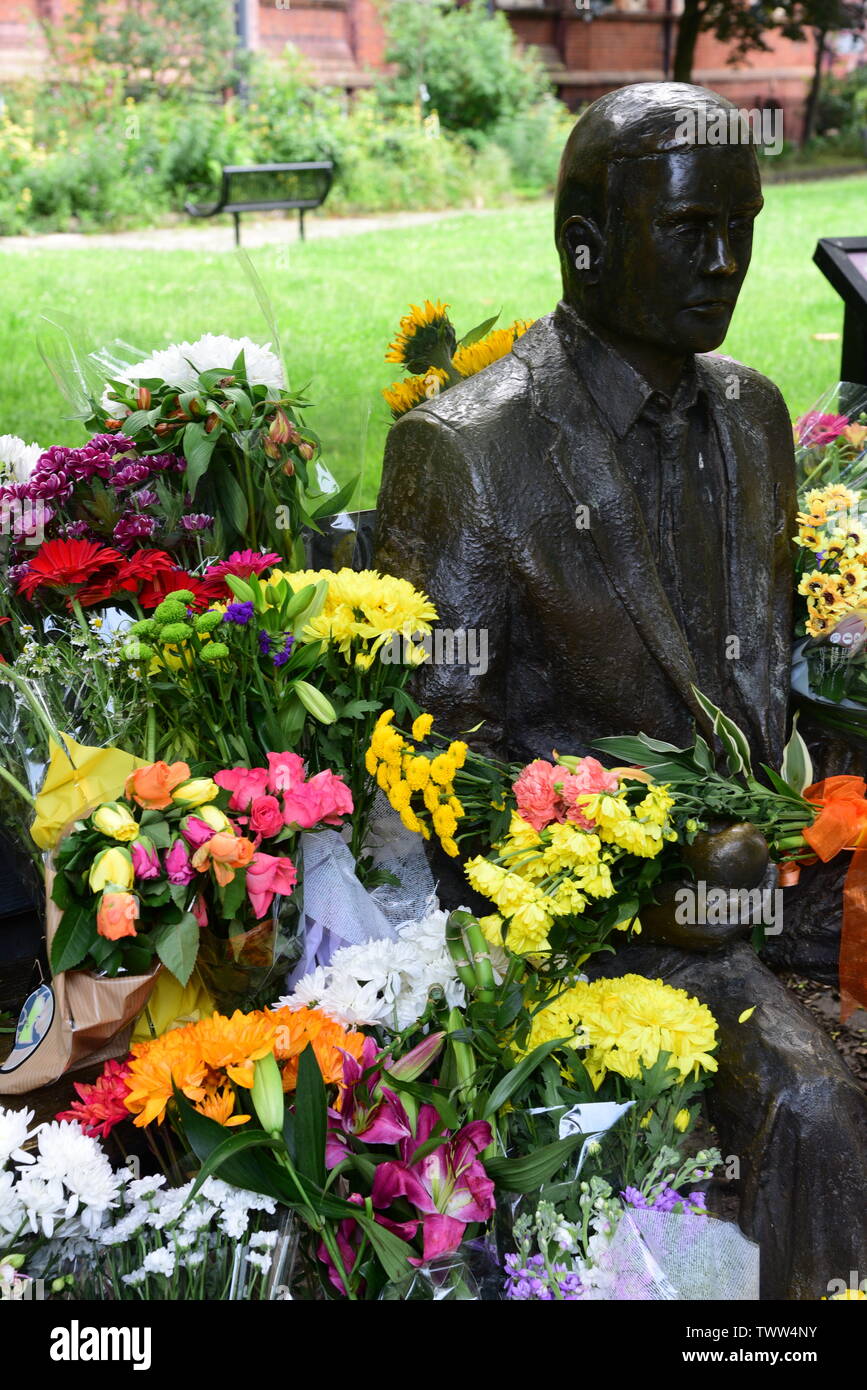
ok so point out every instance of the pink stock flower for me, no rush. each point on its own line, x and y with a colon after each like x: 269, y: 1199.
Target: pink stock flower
x: 448, y: 1187
x: 285, y: 771
x: 196, y: 832
x: 145, y: 860
x: 179, y: 868
x: 266, y: 817
x: 244, y: 783
x: 817, y: 430
x: 267, y: 875
x: 321, y: 801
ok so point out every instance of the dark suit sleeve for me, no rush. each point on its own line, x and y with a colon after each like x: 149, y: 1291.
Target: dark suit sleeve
x: 782, y: 458
x: 436, y: 528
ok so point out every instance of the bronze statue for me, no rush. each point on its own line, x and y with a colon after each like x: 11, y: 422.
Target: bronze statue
x: 613, y: 507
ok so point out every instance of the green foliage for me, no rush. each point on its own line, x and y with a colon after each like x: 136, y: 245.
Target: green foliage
x: 466, y: 57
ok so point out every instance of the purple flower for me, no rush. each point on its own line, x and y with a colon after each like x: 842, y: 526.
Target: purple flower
x: 145, y: 498
x: 197, y: 521
x: 264, y: 643
x: 280, y: 658
x: 133, y: 527
x: 369, y: 1111
x: 160, y: 463
x: 130, y: 475
x: 113, y: 443
x: 238, y: 613
x: 76, y: 530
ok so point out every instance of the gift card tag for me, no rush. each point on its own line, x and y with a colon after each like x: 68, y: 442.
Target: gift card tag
x: 34, y: 1022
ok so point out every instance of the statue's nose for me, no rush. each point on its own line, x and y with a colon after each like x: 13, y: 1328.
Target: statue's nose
x: 720, y: 258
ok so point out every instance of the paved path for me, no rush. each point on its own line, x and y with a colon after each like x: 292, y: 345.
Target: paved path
x: 217, y: 234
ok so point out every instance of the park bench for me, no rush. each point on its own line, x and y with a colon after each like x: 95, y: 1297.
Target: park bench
x: 264, y: 187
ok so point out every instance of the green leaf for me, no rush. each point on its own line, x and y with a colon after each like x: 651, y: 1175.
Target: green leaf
x: 334, y: 502
x: 356, y: 708
x: 198, y: 449
x: 732, y: 737
x: 178, y: 946
x: 232, y: 895
x: 311, y: 1115
x: 797, y: 767
x: 530, y: 1171
x: 392, y: 1252
x: 232, y: 502
x: 73, y: 939
x: 507, y: 1087
x: 480, y: 331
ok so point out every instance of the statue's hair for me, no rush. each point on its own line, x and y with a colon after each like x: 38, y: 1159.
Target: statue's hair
x: 647, y: 118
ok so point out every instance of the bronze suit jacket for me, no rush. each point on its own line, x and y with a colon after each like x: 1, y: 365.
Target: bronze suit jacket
x: 504, y: 500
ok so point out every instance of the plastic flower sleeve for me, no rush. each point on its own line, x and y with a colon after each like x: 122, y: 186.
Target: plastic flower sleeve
x: 666, y: 1256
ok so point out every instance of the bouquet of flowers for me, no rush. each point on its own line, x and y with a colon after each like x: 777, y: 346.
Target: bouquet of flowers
x: 146, y: 875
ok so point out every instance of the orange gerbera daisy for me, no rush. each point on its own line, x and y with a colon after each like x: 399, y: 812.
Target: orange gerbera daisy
x: 296, y: 1028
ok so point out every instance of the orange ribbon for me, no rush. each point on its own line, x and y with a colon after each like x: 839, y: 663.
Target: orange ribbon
x: 842, y: 825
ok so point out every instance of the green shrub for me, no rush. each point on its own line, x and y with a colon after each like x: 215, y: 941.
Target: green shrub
x: 466, y: 57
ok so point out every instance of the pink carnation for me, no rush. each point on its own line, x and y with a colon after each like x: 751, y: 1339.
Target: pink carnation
x: 538, y: 802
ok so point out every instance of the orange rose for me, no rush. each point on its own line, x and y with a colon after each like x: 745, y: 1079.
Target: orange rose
x: 151, y: 787
x: 224, y: 853
x: 117, y: 915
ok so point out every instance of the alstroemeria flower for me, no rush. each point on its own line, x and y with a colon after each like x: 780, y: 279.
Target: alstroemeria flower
x: 268, y: 874
x: 449, y: 1187
x: 367, y: 1109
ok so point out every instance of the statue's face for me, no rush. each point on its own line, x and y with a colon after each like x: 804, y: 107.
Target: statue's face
x: 677, y: 248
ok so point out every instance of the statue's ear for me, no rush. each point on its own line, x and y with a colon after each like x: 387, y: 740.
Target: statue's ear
x: 581, y: 245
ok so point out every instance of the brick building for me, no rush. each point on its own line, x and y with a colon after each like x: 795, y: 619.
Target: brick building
x: 587, y: 52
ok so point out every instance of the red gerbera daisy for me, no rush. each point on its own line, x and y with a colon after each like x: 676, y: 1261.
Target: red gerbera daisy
x: 66, y: 565
x: 160, y: 585
x: 241, y: 563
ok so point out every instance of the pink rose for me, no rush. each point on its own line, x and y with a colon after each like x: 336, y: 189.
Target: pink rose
x: 177, y: 861
x: 145, y: 860
x: 266, y: 817
x: 538, y: 802
x: 244, y: 783
x: 321, y: 801
x: 268, y: 874
x: 196, y: 831
x: 286, y: 770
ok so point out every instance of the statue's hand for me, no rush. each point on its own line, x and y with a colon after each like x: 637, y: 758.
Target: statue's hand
x: 723, y: 862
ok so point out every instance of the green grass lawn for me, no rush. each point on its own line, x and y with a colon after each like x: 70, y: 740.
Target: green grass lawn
x: 336, y: 304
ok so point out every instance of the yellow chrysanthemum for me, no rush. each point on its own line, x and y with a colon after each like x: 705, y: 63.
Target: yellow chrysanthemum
x: 362, y: 608
x: 626, y: 1023
x: 421, y: 727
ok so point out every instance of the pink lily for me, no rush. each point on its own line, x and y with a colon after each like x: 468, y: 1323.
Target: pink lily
x: 244, y: 783
x: 367, y: 1111
x: 348, y: 1235
x: 268, y: 874
x: 449, y: 1187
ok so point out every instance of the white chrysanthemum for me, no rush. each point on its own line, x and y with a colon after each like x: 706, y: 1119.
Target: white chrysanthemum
x: 14, y: 1133
x: 17, y: 459
x: 181, y: 363
x: 384, y: 982
x: 159, y: 1261
x: 46, y: 1203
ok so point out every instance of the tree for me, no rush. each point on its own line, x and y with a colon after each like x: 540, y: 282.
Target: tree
x: 746, y: 26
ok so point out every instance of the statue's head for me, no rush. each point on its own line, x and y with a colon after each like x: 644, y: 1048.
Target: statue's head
x: 658, y: 190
